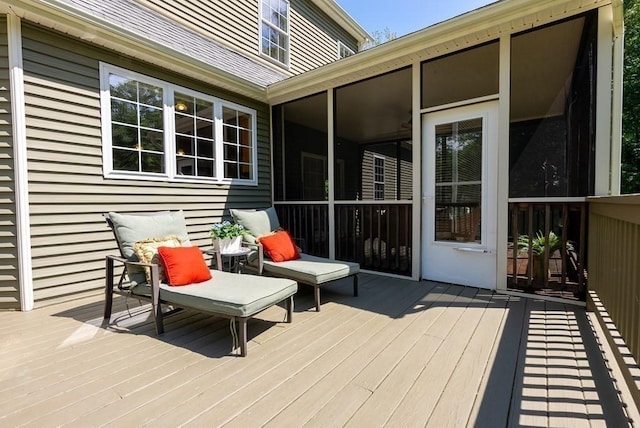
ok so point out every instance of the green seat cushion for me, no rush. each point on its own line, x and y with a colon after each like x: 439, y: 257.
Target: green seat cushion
x: 131, y: 228
x: 257, y: 222
x: 230, y: 294
x: 311, y: 269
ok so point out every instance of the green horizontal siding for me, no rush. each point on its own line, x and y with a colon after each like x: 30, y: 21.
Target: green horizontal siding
x: 67, y: 190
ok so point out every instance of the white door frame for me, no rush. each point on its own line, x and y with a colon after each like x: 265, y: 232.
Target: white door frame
x: 465, y: 263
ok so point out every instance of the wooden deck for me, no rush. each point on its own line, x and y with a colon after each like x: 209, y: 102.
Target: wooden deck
x: 402, y: 354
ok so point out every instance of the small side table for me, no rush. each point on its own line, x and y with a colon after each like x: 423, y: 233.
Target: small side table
x: 231, y: 262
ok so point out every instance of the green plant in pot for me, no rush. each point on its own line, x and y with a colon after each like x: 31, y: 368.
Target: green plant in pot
x: 538, y: 248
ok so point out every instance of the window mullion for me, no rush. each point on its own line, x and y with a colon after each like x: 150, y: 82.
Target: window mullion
x: 218, y: 140
x: 169, y: 132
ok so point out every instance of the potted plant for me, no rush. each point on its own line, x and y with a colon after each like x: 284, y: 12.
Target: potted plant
x: 539, y: 250
x: 227, y: 236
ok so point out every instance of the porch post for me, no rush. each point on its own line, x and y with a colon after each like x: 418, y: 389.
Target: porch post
x: 616, y: 106
x: 330, y: 175
x: 504, y: 106
x: 603, y: 184
x: 21, y: 180
x: 416, y: 136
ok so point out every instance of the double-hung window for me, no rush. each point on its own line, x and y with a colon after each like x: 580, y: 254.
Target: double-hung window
x: 378, y: 177
x: 274, y: 30
x: 155, y: 130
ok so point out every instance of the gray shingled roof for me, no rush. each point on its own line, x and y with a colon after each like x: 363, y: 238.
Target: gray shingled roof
x: 152, y: 26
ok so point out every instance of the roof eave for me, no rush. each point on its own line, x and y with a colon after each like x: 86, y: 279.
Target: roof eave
x: 61, y: 16
x: 338, y: 14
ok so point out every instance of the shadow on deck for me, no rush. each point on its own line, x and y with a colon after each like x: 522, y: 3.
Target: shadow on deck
x: 402, y: 354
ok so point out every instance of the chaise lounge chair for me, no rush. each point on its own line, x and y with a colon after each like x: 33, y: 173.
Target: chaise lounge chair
x: 308, y: 269
x: 228, y: 295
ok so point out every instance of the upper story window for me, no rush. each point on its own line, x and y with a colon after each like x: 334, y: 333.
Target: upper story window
x: 274, y: 30
x: 378, y: 177
x: 153, y: 130
x: 344, y: 51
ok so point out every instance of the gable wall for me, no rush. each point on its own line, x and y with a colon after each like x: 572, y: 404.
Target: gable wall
x: 9, y: 286
x: 314, y: 36
x: 67, y: 190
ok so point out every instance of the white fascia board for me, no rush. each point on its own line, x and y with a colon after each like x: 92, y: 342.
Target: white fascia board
x: 64, y: 17
x: 490, y: 21
x: 338, y: 14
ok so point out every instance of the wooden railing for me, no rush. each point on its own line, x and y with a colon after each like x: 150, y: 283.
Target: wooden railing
x: 614, y: 263
x: 547, y: 248
x: 309, y: 222
x: 378, y: 236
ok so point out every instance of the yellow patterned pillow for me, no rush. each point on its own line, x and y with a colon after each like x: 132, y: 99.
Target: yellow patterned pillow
x: 147, y: 252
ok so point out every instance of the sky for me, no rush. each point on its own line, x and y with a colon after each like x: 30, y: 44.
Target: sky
x: 406, y: 16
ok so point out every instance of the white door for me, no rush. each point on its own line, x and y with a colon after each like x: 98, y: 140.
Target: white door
x: 459, y: 225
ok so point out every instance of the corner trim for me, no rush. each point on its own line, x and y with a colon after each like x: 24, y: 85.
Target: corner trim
x: 19, y: 129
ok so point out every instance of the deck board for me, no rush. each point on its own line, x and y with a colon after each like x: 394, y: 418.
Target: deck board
x: 403, y: 353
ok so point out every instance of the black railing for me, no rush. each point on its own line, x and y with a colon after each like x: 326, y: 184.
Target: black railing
x: 547, y: 248
x: 378, y: 236
x: 310, y: 223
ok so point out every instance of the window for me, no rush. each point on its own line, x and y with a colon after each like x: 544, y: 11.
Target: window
x: 344, y: 51
x: 378, y: 178
x: 158, y: 131
x: 275, y: 30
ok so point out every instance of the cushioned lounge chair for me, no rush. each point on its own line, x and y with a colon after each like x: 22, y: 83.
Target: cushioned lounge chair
x: 308, y: 269
x: 228, y: 295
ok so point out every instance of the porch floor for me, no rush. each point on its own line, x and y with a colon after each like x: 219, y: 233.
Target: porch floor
x: 402, y: 354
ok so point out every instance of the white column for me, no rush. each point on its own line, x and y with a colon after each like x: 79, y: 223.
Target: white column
x: 416, y: 136
x: 19, y: 129
x: 603, y: 101
x: 504, y: 113
x: 616, y: 113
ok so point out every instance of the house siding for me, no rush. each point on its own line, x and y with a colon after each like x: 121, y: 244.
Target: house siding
x: 313, y: 35
x: 67, y: 190
x: 9, y: 282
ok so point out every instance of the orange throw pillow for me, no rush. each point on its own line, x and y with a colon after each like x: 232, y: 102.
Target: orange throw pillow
x: 280, y: 247
x: 183, y: 265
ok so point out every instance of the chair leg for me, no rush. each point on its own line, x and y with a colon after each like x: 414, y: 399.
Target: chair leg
x: 289, y: 309
x: 242, y: 327
x: 108, y: 289
x: 316, y: 292
x: 355, y: 285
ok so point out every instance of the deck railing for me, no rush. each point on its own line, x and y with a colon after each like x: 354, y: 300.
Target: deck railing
x: 378, y: 236
x: 614, y: 263
x: 547, y: 247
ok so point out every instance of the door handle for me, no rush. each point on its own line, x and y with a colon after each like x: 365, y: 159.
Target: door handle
x: 472, y: 250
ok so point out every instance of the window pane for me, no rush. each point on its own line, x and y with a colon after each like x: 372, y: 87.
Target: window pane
x: 245, y: 138
x: 204, y: 109
x: 184, y: 145
x: 245, y: 154
x: 185, y: 166
x: 124, y: 112
x: 151, y: 117
x: 121, y: 87
x: 245, y: 172
x: 125, y: 160
x: 152, y: 162
x: 204, y: 129
x: 152, y: 140
x: 149, y: 94
x: 230, y: 152
x: 124, y: 136
x: 458, y: 177
x: 183, y: 103
x: 205, y: 148
x: 229, y: 116
x: 205, y: 168
x: 230, y: 170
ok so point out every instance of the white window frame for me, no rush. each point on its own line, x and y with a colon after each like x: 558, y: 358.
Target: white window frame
x: 341, y: 47
x: 377, y: 182
x: 287, y: 34
x: 170, y: 168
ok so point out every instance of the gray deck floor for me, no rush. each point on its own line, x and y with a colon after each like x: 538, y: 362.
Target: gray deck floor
x: 402, y: 354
